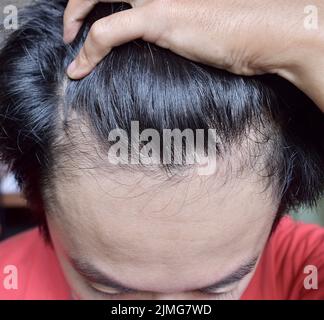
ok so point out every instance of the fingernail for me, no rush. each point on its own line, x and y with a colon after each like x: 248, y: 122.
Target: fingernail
x: 71, y: 70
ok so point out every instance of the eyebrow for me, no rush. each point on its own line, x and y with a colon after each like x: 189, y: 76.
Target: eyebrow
x: 89, y: 272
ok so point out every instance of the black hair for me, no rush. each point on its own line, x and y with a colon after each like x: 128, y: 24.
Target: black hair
x: 140, y: 81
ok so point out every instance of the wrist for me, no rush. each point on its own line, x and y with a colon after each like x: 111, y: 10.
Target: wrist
x: 303, y: 65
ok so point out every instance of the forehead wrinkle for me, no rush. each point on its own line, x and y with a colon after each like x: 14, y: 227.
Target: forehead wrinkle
x: 174, y: 225
x: 97, y: 275
x: 124, y: 235
x: 131, y: 250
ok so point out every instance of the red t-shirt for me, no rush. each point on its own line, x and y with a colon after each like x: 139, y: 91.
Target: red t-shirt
x: 280, y: 273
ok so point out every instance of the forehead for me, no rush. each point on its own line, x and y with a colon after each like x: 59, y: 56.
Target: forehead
x: 138, y: 225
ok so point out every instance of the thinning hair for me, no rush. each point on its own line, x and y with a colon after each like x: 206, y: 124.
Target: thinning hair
x: 142, y: 82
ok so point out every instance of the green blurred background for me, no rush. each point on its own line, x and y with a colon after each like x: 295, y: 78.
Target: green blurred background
x: 314, y: 215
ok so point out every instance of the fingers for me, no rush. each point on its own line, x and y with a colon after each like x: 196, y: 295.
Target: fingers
x: 104, y: 35
x: 75, y: 13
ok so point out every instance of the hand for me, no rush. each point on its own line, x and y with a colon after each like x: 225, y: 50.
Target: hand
x: 246, y: 37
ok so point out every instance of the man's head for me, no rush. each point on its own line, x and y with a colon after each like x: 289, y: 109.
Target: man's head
x: 160, y: 230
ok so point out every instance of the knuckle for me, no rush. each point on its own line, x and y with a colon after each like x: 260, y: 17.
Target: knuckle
x: 92, y: 2
x: 97, y: 30
x: 119, y: 21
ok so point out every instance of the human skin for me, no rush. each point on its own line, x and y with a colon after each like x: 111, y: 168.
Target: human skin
x: 166, y: 241
x: 246, y: 37
x: 166, y: 237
